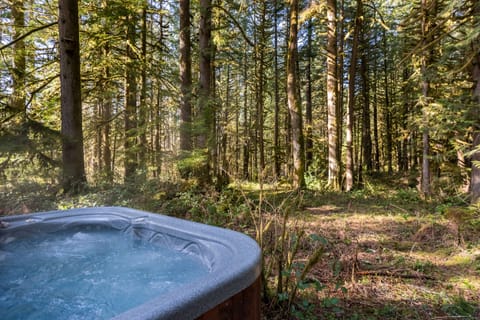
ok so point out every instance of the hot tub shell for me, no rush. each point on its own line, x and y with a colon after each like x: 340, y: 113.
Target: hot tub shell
x: 230, y: 290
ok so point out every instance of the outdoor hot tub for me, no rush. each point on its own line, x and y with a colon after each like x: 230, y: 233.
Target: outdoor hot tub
x: 120, y: 263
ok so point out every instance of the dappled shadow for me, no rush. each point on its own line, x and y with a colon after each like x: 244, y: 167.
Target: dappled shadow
x: 377, y: 307
x: 396, y: 266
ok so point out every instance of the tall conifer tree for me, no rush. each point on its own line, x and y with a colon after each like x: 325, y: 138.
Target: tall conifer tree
x: 71, y: 100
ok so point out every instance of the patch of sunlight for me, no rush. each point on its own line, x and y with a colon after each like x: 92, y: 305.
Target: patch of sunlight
x: 445, y: 252
x: 465, y: 258
x: 458, y: 260
x: 324, y: 210
x: 254, y: 186
x: 159, y: 195
x: 466, y: 282
x: 368, y: 237
x: 433, y: 257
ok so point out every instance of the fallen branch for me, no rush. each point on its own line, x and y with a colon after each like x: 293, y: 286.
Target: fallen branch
x: 399, y: 208
x: 453, y: 317
x: 400, y: 273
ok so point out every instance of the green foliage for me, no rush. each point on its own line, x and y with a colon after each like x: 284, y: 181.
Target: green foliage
x: 408, y: 195
x: 221, y: 209
x: 460, y: 307
x: 423, y: 266
x: 387, y: 311
x: 288, y: 283
x: 26, y: 147
x: 193, y: 165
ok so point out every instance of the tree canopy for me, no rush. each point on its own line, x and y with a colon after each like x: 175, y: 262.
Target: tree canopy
x: 312, y: 93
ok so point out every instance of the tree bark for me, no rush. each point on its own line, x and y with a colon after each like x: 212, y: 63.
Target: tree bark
x: 142, y: 114
x: 294, y: 106
x: 427, y: 10
x: 106, y: 115
x: 276, y: 124
x: 332, y: 131
x: 376, y: 142
x: 388, y: 114
x: 351, y: 98
x: 308, y: 100
x: 205, y: 103
x: 74, y: 179
x: 340, y: 86
x: 19, y: 59
x: 403, y: 163
x: 185, y: 77
x: 366, y: 129
x: 205, y: 70
x: 475, y: 176
x: 260, y: 89
x: 130, y: 143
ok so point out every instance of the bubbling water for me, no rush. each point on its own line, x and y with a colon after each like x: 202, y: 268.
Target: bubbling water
x: 88, y: 273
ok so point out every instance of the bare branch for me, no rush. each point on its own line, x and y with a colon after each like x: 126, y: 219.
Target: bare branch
x: 23, y: 36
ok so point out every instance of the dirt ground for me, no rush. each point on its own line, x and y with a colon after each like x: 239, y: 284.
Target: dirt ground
x: 393, y: 263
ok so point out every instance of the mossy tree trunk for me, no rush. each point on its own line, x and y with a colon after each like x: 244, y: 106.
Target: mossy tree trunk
x: 185, y: 77
x: 205, y: 112
x: 294, y: 106
x: 351, y: 98
x: 74, y: 179
x: 19, y: 59
x: 428, y: 14
x: 475, y: 177
x: 332, y: 93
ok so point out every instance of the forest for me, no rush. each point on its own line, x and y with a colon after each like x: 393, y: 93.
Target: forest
x: 343, y: 135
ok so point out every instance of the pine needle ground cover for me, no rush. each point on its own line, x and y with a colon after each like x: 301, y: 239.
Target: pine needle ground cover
x: 396, y: 267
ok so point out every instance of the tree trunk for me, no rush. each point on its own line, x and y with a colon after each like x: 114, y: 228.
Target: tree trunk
x: 142, y: 114
x: 333, y: 163
x: 259, y: 60
x: 403, y: 158
x: 294, y: 102
x: 340, y: 87
x: 106, y: 113
x: 224, y: 167
x: 376, y: 143
x: 19, y: 59
x: 158, y: 114
x: 366, y: 130
x: 388, y: 115
x: 158, y: 132
x: 427, y: 15
x: 425, y: 136
x: 308, y: 100
x: 276, y: 124
x: 74, y: 179
x: 351, y: 99
x: 246, y: 121
x: 205, y: 103
x: 185, y: 77
x: 475, y: 176
x: 130, y: 143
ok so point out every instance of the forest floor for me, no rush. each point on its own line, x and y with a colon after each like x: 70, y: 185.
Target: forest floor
x: 388, y: 253
x: 399, y: 260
